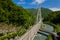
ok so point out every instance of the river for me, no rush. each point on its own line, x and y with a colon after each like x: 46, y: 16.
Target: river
x: 43, y: 35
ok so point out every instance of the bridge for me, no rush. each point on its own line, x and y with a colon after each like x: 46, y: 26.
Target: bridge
x: 37, y: 28
x: 33, y: 31
x: 30, y: 34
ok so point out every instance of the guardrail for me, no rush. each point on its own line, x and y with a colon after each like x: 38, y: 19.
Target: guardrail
x: 29, y: 35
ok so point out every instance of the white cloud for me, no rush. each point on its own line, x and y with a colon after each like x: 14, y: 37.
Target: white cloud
x: 55, y: 9
x: 38, y: 1
x: 21, y: 2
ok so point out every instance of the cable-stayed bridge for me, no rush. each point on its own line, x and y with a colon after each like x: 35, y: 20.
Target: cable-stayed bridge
x: 30, y: 34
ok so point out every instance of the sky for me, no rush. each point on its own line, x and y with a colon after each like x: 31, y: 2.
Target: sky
x: 51, y: 4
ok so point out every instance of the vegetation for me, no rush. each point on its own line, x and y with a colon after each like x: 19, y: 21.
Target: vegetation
x: 10, y: 13
x: 44, y: 11
x: 43, y: 26
x: 54, y: 20
x: 49, y: 37
x: 53, y: 17
x: 56, y: 29
x: 14, y: 34
x: 16, y: 15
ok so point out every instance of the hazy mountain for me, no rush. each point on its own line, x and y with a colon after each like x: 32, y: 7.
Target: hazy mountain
x: 44, y: 11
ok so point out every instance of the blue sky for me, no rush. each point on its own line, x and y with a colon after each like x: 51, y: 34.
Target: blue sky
x: 51, y: 4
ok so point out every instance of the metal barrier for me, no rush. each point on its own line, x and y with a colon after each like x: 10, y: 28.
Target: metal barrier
x: 29, y: 35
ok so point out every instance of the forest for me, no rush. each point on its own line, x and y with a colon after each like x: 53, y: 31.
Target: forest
x: 54, y: 20
x: 10, y: 13
x: 19, y: 17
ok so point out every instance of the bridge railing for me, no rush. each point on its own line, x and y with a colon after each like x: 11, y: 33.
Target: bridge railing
x: 29, y: 35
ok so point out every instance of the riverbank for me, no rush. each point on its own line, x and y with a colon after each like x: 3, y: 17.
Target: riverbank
x: 56, y: 29
x: 43, y: 35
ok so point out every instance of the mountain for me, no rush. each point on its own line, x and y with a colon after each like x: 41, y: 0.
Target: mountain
x: 53, y: 17
x: 44, y: 11
x: 10, y: 13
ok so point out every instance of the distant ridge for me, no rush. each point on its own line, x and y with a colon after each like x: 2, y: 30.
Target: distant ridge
x: 45, y: 11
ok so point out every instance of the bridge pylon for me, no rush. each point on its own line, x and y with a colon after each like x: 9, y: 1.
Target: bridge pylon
x: 39, y: 15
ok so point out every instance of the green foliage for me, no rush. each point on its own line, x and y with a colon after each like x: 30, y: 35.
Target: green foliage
x: 43, y: 27
x: 54, y: 20
x: 53, y: 17
x: 44, y: 11
x: 16, y: 15
x: 10, y: 13
x: 56, y: 29
x: 50, y: 37
x: 14, y: 34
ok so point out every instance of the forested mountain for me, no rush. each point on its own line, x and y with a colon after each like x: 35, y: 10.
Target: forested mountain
x: 53, y: 17
x: 10, y: 13
x: 44, y: 11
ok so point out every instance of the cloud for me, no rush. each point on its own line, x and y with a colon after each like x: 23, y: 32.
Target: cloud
x: 38, y: 1
x: 55, y: 9
x: 21, y: 2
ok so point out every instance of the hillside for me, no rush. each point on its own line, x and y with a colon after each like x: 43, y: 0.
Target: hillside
x: 15, y: 16
x: 44, y: 12
x: 54, y: 20
x: 53, y: 17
